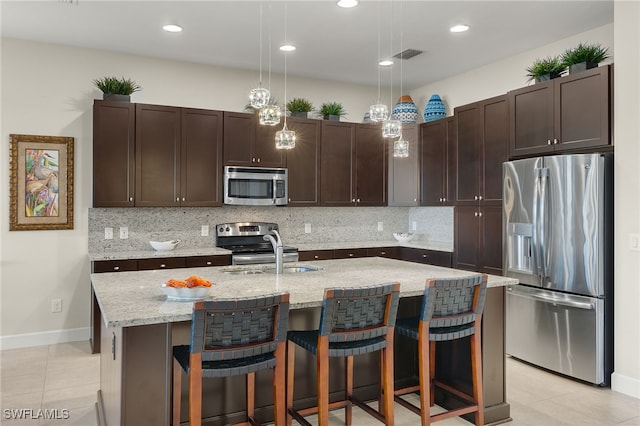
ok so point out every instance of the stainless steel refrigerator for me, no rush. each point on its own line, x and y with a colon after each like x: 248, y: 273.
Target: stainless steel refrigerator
x: 558, y: 242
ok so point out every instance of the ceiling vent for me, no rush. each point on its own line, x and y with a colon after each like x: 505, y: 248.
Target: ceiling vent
x: 407, y: 54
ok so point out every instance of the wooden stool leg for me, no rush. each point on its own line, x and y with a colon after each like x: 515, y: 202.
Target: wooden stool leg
x: 387, y: 380
x: 424, y: 375
x: 279, y: 397
x: 195, y: 389
x: 177, y: 389
x: 322, y: 359
x: 251, y: 388
x: 432, y: 372
x: 291, y: 362
x: 476, y: 372
x: 348, y: 408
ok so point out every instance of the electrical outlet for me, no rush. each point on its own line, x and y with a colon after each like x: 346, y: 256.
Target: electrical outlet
x: 380, y: 226
x: 414, y: 225
x: 634, y: 242
x: 307, y: 228
x: 56, y: 305
x: 124, y: 232
x: 108, y: 233
x: 204, y: 231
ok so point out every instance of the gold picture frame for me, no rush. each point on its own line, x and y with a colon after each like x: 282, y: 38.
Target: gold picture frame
x: 41, y: 182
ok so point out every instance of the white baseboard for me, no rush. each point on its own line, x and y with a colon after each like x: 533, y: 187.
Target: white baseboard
x: 45, y: 338
x: 626, y: 385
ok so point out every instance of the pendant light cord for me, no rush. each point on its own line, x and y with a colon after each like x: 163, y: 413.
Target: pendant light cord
x: 379, y: 71
x: 391, y: 56
x: 286, y: 40
x: 260, y: 38
x: 270, y: 45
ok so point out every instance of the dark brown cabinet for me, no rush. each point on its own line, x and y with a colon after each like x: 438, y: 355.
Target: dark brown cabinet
x: 178, y: 156
x: 404, y: 172
x: 389, y: 252
x: 348, y: 253
x: 437, y: 162
x: 307, y: 255
x: 430, y: 257
x: 113, y: 154
x: 247, y: 143
x: 353, y: 165
x: 482, y: 147
x: 161, y: 263
x: 200, y: 261
x: 101, y: 266
x: 478, y: 238
x: 567, y: 113
x: 303, y: 163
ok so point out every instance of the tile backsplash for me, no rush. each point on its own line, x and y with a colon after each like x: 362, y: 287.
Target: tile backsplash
x: 328, y: 224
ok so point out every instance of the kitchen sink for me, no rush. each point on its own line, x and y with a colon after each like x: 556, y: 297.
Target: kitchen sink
x: 244, y: 271
x: 294, y: 269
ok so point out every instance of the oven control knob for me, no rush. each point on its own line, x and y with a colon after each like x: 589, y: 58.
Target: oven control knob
x: 221, y: 229
x: 228, y: 229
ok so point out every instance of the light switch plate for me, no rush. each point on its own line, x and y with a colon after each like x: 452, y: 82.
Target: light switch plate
x: 634, y: 242
x: 108, y: 233
x: 414, y: 225
x: 380, y: 226
x: 307, y: 228
x: 204, y: 231
x: 124, y: 232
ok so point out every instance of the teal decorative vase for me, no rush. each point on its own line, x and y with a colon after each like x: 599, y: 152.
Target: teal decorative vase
x: 405, y: 110
x: 434, y: 109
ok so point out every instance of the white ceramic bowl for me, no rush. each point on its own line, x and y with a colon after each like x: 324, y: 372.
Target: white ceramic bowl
x: 403, y: 237
x: 185, y: 293
x: 164, y: 245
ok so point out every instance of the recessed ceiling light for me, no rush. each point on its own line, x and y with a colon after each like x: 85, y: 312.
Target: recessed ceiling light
x: 172, y: 28
x: 460, y: 28
x: 347, y: 3
x: 287, y: 48
x: 385, y: 63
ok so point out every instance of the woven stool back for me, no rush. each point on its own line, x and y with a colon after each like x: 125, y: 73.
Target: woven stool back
x: 453, y: 302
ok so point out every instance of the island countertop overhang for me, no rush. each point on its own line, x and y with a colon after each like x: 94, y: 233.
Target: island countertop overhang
x: 136, y: 298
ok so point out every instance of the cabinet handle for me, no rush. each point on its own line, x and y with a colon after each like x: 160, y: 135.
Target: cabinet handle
x: 444, y: 200
x: 415, y: 200
x: 480, y: 214
x: 383, y: 252
x: 480, y: 198
x: 162, y: 265
x: 353, y: 200
x: 475, y: 214
x: 258, y: 159
x: 116, y: 268
x: 548, y: 141
x: 475, y: 197
x: 358, y: 200
x: 177, y: 199
x: 424, y: 256
x: 183, y: 199
x: 209, y: 263
x: 316, y: 256
x: 130, y: 198
x: 289, y: 199
x: 350, y: 254
x: 253, y: 159
x: 555, y: 141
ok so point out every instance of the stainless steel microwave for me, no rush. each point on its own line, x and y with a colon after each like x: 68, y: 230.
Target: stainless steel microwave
x: 255, y: 186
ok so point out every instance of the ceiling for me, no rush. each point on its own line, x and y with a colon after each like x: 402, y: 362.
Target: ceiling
x: 332, y: 43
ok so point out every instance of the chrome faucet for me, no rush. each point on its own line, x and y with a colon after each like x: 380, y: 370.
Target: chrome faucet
x: 277, y: 249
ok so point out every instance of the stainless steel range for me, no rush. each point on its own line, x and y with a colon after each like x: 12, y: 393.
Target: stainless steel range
x: 248, y: 245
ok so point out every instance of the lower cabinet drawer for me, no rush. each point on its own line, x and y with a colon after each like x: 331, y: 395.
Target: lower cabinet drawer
x: 200, y: 261
x: 305, y: 256
x: 162, y: 263
x: 348, y: 253
x: 100, y: 266
x: 430, y: 257
x: 390, y: 252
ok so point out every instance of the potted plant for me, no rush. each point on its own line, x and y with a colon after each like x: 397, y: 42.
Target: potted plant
x: 584, y: 57
x: 116, y: 89
x: 332, y: 111
x: 545, y: 69
x: 299, y: 107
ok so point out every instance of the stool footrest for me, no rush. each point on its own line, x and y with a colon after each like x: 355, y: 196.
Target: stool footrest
x: 375, y: 413
x: 455, y: 391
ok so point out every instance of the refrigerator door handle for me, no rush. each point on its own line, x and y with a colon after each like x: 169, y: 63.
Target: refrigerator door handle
x: 541, y: 224
x: 550, y: 299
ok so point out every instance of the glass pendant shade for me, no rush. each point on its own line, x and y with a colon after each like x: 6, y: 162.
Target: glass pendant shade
x: 391, y: 128
x: 378, y: 112
x: 285, y: 139
x: 259, y: 97
x: 401, y: 148
x: 269, y: 115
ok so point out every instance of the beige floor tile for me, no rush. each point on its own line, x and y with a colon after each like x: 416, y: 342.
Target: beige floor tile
x: 10, y: 400
x: 22, y: 384
x: 63, y: 373
x: 70, y: 350
x: 34, y: 352
x: 77, y: 417
x: 71, y: 397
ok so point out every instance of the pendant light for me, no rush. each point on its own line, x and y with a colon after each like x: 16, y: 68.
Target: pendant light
x: 269, y: 114
x: 391, y: 128
x: 401, y: 146
x: 285, y: 139
x: 259, y: 96
x: 379, y: 111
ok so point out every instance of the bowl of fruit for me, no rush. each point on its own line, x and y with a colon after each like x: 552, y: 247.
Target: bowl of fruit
x: 193, y: 288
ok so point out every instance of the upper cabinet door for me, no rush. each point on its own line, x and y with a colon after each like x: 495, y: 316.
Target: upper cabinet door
x: 433, y: 156
x: 531, y: 112
x: 239, y: 138
x: 494, y: 146
x: 264, y: 149
x: 404, y: 172
x: 371, y: 166
x: 303, y: 163
x: 157, y: 155
x: 201, y: 158
x: 468, y: 166
x: 336, y: 164
x: 113, y: 154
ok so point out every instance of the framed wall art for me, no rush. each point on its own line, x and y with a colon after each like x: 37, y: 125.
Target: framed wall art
x: 41, y: 182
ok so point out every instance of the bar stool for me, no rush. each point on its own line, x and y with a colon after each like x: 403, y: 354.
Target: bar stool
x: 231, y: 337
x: 451, y: 309
x: 353, y: 321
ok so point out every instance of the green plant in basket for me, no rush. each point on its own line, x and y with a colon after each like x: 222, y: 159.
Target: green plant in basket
x: 116, y: 86
x: 299, y: 105
x: 541, y: 67
x: 332, y: 108
x: 590, y: 53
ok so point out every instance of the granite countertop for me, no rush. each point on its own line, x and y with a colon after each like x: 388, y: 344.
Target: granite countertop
x: 136, y: 298
x: 214, y: 251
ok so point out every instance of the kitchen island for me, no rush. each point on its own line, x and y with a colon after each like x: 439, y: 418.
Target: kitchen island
x: 140, y: 326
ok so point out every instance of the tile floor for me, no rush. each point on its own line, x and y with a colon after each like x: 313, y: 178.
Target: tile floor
x: 66, y: 376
